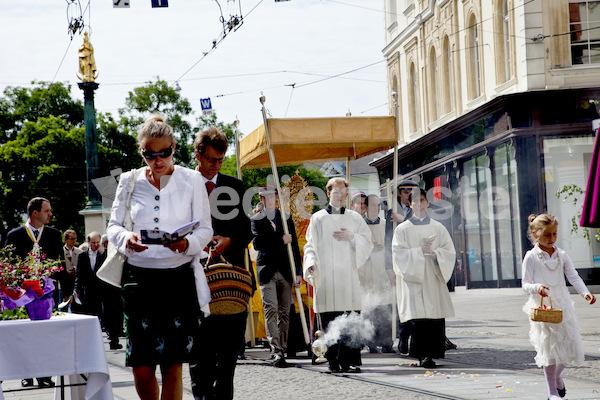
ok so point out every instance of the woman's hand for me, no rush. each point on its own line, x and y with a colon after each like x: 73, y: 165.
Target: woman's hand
x: 590, y: 298
x: 133, y: 243
x: 542, y: 290
x: 179, y: 246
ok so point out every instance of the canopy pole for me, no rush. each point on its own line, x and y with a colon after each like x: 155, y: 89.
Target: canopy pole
x: 247, y: 261
x: 284, y: 220
x: 348, y: 180
x: 236, y: 123
x: 395, y: 205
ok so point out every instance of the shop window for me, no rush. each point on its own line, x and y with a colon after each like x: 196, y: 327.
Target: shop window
x: 506, y: 211
x: 584, y: 21
x: 567, y: 162
x: 490, y: 213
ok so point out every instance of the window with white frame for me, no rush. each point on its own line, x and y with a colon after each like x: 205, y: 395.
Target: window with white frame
x: 447, y: 80
x: 506, y: 39
x: 475, y: 80
x: 435, y: 101
x: 391, y: 13
x: 413, y: 99
x: 584, y: 27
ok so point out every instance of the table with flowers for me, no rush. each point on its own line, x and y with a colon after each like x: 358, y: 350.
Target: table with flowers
x: 64, y: 345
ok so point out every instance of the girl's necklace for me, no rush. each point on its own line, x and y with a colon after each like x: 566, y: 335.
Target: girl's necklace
x: 558, y: 265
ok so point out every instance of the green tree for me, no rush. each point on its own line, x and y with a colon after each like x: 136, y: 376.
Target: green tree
x: 43, y: 153
x: 159, y: 97
x: 20, y: 105
x: 117, y: 145
x: 46, y: 158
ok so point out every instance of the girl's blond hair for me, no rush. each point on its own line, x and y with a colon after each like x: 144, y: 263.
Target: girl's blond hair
x: 538, y: 224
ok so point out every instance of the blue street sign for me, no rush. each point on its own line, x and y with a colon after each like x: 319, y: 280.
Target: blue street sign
x: 160, y: 3
x: 205, y: 104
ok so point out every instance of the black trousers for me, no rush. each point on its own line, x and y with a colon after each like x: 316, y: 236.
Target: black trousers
x: 428, y: 338
x: 381, y: 317
x: 214, y: 356
x: 340, y: 355
x: 112, y: 313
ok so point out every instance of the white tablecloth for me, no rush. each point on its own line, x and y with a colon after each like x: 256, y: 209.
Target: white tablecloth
x: 69, y: 344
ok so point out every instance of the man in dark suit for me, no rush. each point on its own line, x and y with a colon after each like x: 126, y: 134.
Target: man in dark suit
x: 274, y: 271
x: 87, y: 284
x: 71, y: 253
x: 221, y: 336
x: 35, y: 236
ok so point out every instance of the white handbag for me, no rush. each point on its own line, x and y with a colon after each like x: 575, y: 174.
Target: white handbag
x: 111, y: 271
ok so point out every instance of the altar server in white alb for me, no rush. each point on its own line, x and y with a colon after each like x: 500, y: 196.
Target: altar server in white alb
x: 424, y: 258
x: 338, y: 243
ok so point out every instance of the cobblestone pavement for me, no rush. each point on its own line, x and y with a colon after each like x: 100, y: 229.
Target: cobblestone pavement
x: 494, y: 360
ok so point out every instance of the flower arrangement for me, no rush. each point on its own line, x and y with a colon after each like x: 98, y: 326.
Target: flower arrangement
x: 26, y: 282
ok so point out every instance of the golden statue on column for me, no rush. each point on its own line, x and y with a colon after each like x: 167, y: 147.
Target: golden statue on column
x: 87, y: 63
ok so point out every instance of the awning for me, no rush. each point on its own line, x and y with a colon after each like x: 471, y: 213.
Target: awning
x: 298, y: 140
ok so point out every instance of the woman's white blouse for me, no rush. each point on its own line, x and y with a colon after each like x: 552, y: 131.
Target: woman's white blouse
x: 182, y: 199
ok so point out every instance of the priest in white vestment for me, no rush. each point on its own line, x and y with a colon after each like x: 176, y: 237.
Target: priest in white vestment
x: 377, y: 290
x: 338, y: 243
x: 424, y: 257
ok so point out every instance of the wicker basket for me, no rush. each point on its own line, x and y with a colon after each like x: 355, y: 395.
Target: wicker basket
x: 542, y: 314
x: 230, y: 286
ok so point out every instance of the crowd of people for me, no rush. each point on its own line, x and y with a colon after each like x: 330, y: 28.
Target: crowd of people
x: 389, y: 268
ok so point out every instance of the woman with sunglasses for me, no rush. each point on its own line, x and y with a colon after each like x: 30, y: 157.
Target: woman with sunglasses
x: 160, y: 299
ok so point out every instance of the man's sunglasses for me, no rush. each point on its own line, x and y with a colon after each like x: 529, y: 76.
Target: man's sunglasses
x: 151, y: 155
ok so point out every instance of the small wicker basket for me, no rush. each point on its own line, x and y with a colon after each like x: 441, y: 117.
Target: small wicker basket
x: 542, y: 314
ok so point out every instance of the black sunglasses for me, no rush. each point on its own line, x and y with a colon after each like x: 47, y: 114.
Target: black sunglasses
x: 151, y: 155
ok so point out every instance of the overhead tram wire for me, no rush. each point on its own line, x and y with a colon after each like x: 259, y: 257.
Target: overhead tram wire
x: 216, y: 42
x: 343, y: 73
x: 296, y: 85
x: 62, y: 60
x: 75, y: 25
x: 293, y: 85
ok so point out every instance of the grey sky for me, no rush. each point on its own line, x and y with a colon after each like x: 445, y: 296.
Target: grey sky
x: 296, y: 42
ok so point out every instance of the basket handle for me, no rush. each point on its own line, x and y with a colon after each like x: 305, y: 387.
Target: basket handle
x: 211, y: 247
x: 542, y: 302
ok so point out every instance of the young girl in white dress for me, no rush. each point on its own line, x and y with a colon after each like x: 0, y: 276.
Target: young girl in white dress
x: 544, y: 270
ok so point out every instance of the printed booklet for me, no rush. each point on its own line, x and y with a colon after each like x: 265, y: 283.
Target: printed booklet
x: 156, y: 236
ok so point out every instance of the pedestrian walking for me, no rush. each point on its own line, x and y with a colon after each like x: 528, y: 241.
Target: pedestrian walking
x: 160, y: 298
x: 544, y: 269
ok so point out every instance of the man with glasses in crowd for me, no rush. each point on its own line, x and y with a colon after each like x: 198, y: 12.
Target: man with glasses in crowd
x: 71, y: 253
x: 222, y: 336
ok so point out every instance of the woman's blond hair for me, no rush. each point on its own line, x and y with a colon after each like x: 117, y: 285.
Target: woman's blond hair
x: 538, y: 224
x: 155, y: 127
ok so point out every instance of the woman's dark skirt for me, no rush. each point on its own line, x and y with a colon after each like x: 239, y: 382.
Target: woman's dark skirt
x: 161, y: 315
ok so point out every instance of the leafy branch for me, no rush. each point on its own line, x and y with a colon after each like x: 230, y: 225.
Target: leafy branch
x: 574, y: 194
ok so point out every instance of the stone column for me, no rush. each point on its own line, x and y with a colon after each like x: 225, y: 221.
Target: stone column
x: 94, y: 220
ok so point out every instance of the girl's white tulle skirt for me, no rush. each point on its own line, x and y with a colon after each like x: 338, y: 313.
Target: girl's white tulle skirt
x: 556, y: 343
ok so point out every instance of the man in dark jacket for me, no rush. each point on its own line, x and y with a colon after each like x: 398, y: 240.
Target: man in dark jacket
x: 213, y: 361
x: 274, y: 271
x: 87, y: 284
x: 35, y: 236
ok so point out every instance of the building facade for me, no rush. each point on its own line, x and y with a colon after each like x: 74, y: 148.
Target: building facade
x: 496, y: 103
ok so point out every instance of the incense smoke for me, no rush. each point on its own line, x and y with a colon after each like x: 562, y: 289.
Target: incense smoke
x: 353, y: 328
